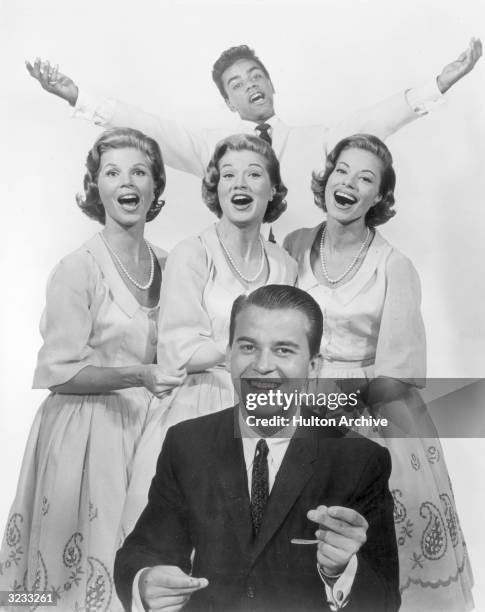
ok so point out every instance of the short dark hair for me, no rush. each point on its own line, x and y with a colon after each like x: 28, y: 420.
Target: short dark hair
x: 383, y: 210
x: 230, y: 57
x: 283, y: 297
x: 120, y: 138
x: 245, y: 142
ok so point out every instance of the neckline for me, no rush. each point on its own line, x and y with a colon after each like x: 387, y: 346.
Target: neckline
x: 217, y: 253
x: 122, y: 294
x: 370, y: 255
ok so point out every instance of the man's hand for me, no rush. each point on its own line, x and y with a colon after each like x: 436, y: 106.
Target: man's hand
x: 53, y: 81
x: 454, y: 71
x: 167, y: 587
x: 342, y: 532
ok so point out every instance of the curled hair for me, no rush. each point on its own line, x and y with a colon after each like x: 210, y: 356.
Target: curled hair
x: 120, y: 138
x: 382, y: 211
x: 245, y: 142
x: 230, y: 57
x: 283, y: 297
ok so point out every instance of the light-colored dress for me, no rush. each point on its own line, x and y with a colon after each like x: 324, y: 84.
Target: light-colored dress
x: 198, y: 290
x: 62, y: 531
x: 373, y: 327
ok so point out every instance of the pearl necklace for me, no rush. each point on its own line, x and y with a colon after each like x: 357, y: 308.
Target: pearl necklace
x: 125, y: 271
x: 233, y: 263
x: 334, y: 281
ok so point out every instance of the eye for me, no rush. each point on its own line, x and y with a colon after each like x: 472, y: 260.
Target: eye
x: 284, y: 351
x: 228, y: 175
x: 140, y: 172
x: 340, y: 171
x: 367, y: 179
x: 255, y: 174
x: 236, y: 85
x: 111, y: 173
x: 246, y: 348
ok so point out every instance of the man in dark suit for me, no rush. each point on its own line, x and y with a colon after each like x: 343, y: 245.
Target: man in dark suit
x: 236, y: 502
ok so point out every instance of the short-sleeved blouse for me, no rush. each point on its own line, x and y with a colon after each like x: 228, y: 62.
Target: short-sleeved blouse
x: 372, y: 324
x: 106, y: 324
x: 197, y: 295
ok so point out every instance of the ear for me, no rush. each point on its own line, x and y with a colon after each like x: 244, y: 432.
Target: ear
x: 315, y: 366
x: 227, y: 361
x: 230, y: 106
x: 377, y: 200
x: 273, y: 193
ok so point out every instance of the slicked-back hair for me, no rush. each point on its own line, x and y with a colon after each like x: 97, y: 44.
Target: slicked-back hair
x: 283, y: 297
x: 120, y: 138
x: 382, y: 211
x: 245, y: 142
x: 230, y: 57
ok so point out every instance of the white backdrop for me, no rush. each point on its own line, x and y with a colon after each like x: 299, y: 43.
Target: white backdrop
x: 326, y: 58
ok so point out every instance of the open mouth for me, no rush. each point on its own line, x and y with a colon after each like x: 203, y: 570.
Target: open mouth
x: 264, y: 384
x: 256, y: 97
x: 241, y: 200
x: 344, y: 199
x: 129, y: 201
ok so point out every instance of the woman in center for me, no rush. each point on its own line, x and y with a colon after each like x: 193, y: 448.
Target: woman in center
x: 203, y: 276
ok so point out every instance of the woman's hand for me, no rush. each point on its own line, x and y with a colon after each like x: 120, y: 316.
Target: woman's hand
x: 156, y: 381
x: 53, y: 81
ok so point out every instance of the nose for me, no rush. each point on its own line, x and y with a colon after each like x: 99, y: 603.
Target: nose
x: 126, y: 179
x: 240, y: 182
x: 264, y: 363
x: 350, y: 180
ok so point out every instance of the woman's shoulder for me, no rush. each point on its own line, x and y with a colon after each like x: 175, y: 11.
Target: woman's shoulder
x: 399, y: 264
x: 300, y: 240
x: 187, y: 249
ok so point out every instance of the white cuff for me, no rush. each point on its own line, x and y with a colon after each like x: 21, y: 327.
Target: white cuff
x: 98, y: 110
x: 136, y: 603
x: 424, y: 98
x: 338, y: 591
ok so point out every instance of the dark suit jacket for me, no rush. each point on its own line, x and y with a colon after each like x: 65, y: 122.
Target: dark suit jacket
x: 199, y: 500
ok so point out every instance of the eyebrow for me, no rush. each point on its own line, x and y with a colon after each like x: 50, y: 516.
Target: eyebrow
x: 238, y: 76
x: 143, y: 164
x: 364, y: 170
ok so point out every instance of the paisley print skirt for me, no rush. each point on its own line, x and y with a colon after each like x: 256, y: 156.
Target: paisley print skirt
x: 64, y: 527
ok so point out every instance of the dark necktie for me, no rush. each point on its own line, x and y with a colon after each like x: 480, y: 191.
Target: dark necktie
x: 263, y: 131
x: 259, y: 485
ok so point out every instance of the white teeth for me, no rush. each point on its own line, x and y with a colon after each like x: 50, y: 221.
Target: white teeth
x: 256, y: 97
x: 344, y: 198
x: 241, y: 199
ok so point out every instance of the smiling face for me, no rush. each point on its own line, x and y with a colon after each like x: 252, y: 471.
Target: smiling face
x: 125, y: 186
x: 354, y: 186
x: 270, y: 350
x: 244, y: 187
x: 249, y: 91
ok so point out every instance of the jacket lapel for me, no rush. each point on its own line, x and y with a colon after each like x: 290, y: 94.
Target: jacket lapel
x: 293, y: 475
x: 230, y: 468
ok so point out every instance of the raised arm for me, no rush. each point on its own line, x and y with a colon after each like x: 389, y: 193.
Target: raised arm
x: 182, y: 149
x: 390, y: 115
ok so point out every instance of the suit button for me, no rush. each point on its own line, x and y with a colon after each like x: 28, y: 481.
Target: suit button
x: 251, y: 592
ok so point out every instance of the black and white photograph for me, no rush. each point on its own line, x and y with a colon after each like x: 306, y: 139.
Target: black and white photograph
x: 209, y: 205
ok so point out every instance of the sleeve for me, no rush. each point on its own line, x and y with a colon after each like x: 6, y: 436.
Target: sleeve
x: 389, y: 116
x: 66, y: 323
x: 182, y: 149
x: 376, y: 583
x: 161, y: 535
x: 338, y: 591
x: 401, y: 345
x: 184, y: 324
